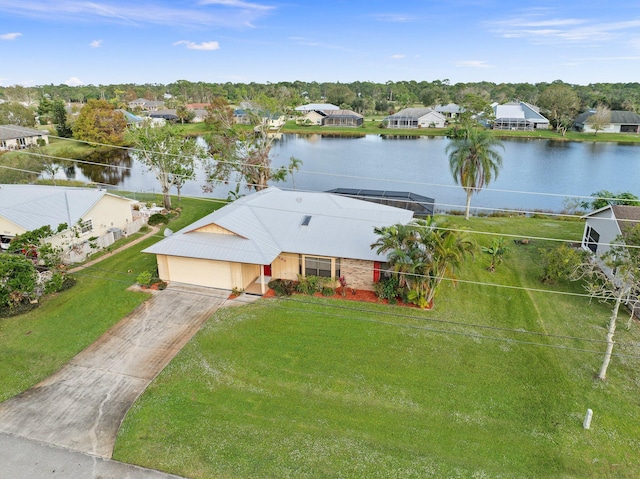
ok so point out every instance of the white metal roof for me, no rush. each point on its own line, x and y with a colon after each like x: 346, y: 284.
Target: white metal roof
x: 33, y: 206
x: 269, y: 222
x: 317, y: 106
x: 509, y: 110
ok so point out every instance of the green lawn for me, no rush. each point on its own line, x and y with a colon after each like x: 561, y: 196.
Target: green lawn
x: 313, y: 387
x: 36, y: 344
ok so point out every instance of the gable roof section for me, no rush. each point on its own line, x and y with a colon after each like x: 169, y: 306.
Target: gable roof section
x: 617, y: 117
x: 33, y: 206
x: 11, y: 132
x: 317, y: 106
x: 519, y: 110
x: 342, y: 113
x: 270, y: 222
x: 627, y: 217
x: 413, y: 113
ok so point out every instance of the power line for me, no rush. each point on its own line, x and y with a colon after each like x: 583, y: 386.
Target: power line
x: 429, y: 329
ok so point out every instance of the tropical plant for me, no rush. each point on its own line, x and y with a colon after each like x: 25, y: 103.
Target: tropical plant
x: 18, y: 279
x: 474, y: 161
x: 421, y: 254
x: 497, y: 250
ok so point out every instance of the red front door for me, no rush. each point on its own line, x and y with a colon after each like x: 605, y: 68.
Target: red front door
x: 267, y: 270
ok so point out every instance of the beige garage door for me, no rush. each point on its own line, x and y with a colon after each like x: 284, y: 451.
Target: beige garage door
x: 213, y: 274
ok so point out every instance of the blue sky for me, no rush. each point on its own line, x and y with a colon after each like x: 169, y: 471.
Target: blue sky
x: 143, y: 41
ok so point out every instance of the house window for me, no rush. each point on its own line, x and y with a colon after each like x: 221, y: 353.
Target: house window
x: 316, y: 266
x: 592, y: 239
x: 86, y: 226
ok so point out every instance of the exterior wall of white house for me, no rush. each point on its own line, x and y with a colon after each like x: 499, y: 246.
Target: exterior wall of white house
x: 606, y: 230
x: 432, y: 119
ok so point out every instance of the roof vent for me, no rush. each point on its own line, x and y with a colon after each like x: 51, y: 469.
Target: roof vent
x: 306, y: 220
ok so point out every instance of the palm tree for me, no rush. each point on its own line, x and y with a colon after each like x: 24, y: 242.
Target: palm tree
x: 474, y: 162
x: 421, y: 254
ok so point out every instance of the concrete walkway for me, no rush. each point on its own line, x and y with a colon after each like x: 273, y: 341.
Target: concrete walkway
x: 82, y: 406
x: 26, y: 459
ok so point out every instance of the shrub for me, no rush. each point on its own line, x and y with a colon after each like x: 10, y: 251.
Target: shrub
x: 387, y: 288
x: 282, y: 287
x: 310, y: 284
x: 328, y: 291
x: 558, y: 263
x: 157, y: 219
x: 144, y: 278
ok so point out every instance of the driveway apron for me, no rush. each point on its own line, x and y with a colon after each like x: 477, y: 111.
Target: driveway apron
x: 82, y: 406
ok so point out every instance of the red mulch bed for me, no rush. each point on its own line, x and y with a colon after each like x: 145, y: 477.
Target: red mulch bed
x: 359, y: 295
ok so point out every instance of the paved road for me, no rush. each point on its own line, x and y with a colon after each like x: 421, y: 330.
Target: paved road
x: 22, y: 458
x: 82, y: 406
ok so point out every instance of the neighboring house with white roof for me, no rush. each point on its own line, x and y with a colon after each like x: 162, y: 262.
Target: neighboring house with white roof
x: 278, y: 234
x: 620, y: 122
x: 604, y: 225
x: 14, y: 137
x: 449, y: 111
x: 147, y: 105
x: 518, y: 116
x: 97, y: 213
x: 416, y: 118
x: 316, y: 107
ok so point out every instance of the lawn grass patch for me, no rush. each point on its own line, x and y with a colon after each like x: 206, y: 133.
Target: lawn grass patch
x: 36, y: 344
x: 494, y: 382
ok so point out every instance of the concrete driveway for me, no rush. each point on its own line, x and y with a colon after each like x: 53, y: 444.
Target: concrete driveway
x: 82, y: 406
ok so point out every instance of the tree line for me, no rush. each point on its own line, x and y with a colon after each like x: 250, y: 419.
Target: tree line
x: 361, y: 96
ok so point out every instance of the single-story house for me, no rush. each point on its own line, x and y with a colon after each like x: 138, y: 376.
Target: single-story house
x: 97, y: 213
x: 167, y: 115
x: 604, y: 225
x: 14, y: 137
x: 200, y: 115
x: 342, y: 118
x: 132, y: 120
x: 241, y: 117
x: 621, y: 122
x: 316, y: 107
x: 518, y: 116
x: 312, y: 117
x: 278, y: 234
x: 147, y: 105
x: 449, y: 111
x: 416, y: 118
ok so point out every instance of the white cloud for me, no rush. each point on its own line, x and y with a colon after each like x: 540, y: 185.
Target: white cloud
x: 538, y: 28
x: 473, y: 64
x: 96, y: 44
x: 74, y: 81
x: 10, y: 36
x: 198, y: 46
x: 398, y: 56
x: 394, y: 17
x: 237, y: 4
x: 223, y: 13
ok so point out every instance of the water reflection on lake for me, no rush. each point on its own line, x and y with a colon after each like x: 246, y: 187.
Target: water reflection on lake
x: 536, y: 174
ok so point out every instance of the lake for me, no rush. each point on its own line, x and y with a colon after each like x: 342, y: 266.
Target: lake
x: 536, y: 174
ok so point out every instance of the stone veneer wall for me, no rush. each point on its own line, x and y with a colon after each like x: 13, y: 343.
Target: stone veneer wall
x: 358, y: 273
